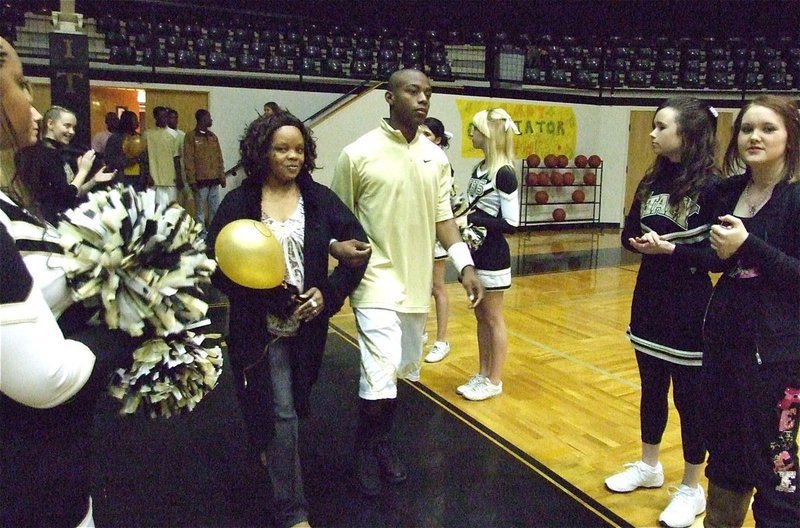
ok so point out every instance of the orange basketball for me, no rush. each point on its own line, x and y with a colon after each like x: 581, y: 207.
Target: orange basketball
x: 551, y: 161
x: 578, y: 196
x: 541, y: 197
x: 563, y: 160
x: 559, y: 215
x: 581, y: 161
x: 589, y: 178
x: 533, y: 160
x: 594, y: 161
x: 569, y: 178
x: 544, y: 178
x: 557, y: 178
x: 533, y: 179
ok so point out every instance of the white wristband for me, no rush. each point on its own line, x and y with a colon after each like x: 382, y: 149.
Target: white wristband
x: 460, y: 256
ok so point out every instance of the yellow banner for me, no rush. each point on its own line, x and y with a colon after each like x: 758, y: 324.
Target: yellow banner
x: 545, y: 129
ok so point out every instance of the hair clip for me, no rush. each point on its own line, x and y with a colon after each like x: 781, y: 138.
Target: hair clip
x: 448, y: 135
x: 713, y: 111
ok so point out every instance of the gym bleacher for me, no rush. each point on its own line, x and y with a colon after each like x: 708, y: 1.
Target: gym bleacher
x: 168, y: 37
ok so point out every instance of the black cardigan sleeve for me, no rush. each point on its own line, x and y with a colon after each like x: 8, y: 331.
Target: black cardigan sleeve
x: 780, y: 265
x: 344, y: 226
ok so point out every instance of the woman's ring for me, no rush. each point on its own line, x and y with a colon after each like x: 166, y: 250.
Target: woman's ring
x: 313, y: 303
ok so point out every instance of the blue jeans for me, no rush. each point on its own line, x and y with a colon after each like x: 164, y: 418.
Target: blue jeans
x: 206, y: 203
x: 283, y: 459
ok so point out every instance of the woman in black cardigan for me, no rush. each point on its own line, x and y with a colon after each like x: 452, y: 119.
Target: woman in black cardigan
x: 751, y: 361
x: 276, y: 339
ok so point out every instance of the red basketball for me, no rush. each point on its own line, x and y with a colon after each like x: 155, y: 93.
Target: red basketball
x: 551, y: 161
x: 533, y: 160
x: 556, y: 178
x: 581, y: 161
x: 533, y: 179
x: 569, y: 178
x: 541, y: 197
x: 589, y: 178
x: 563, y: 160
x: 559, y: 215
x: 578, y: 196
x: 544, y: 178
x: 594, y: 161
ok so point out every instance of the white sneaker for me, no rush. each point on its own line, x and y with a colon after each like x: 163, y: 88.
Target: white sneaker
x: 686, y: 504
x: 438, y: 352
x: 483, y: 391
x: 473, y: 381
x: 638, y: 475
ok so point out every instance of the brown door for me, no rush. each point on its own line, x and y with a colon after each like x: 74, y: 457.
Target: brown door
x: 640, y: 152
x: 724, y: 132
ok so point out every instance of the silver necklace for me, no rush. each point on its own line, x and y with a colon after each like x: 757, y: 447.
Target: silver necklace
x: 755, y: 207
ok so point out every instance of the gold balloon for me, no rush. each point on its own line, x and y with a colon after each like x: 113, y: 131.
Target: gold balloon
x: 132, y: 146
x: 250, y: 255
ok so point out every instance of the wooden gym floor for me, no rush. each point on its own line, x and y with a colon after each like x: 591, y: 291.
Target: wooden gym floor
x: 571, y: 386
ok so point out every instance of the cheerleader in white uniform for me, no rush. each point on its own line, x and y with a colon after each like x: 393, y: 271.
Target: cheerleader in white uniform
x: 494, y: 207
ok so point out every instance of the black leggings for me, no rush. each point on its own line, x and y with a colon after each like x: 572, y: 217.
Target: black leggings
x: 655, y: 375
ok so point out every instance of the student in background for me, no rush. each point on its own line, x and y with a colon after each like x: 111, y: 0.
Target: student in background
x: 202, y: 158
x: 271, y: 108
x: 126, y: 151
x: 45, y: 181
x: 163, y: 158
x: 185, y: 192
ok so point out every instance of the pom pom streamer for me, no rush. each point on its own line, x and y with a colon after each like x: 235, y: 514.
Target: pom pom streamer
x: 142, y: 261
x: 142, y: 264
x: 168, y: 376
x: 471, y: 234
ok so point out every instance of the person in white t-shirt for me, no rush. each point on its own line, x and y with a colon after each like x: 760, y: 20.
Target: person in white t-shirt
x: 163, y: 158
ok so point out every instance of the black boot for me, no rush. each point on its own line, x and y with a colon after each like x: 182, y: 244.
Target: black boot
x: 389, y: 461
x: 367, y: 468
x: 392, y: 467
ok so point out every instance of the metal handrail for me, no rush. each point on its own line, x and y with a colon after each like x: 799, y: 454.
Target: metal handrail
x: 328, y: 110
